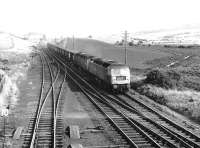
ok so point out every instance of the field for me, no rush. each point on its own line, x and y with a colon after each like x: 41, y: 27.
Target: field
x: 136, y: 56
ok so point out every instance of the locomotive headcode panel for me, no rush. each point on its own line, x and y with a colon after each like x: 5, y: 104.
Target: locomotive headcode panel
x: 120, y: 74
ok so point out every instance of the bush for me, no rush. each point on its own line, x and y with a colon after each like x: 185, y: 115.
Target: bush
x: 153, y: 93
x: 130, y: 44
x: 163, y: 78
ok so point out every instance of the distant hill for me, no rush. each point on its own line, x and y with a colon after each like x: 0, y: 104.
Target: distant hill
x: 172, y: 36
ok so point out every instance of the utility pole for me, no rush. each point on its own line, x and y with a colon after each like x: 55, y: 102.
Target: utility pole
x: 125, y: 45
x: 73, y: 42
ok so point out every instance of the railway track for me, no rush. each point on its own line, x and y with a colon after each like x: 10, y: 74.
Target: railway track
x: 165, y: 135
x: 149, y: 119
x: 46, y: 126
x: 117, y: 118
x: 134, y: 130
x: 134, y: 134
x: 186, y: 137
x: 149, y: 125
x: 152, y: 114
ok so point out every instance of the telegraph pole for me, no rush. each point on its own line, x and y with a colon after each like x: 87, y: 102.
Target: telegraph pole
x: 125, y: 45
x: 73, y: 42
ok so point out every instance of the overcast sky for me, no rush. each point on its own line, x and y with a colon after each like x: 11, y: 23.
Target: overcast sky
x: 96, y: 17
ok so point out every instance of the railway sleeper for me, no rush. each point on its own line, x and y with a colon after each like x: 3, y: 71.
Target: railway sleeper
x: 44, y: 134
x: 142, y: 142
x: 133, y: 137
x: 128, y: 129
x: 133, y: 134
x: 44, y: 129
x: 122, y: 123
x: 43, y: 145
x: 45, y: 124
x: 59, y: 128
x: 44, y: 139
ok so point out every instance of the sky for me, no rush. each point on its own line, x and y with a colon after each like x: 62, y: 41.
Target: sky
x: 96, y: 17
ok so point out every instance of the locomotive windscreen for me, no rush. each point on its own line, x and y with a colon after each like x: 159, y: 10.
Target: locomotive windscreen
x: 120, y: 71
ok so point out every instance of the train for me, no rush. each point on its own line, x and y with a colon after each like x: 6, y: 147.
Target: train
x: 110, y: 74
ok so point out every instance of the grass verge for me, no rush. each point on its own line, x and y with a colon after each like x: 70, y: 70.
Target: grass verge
x: 167, y: 88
